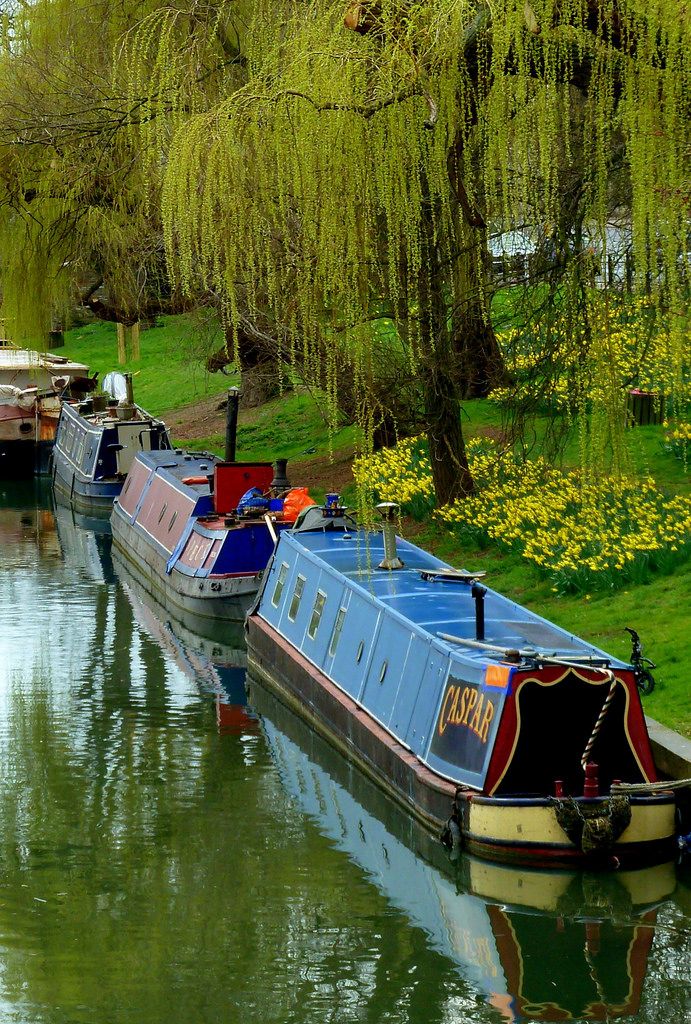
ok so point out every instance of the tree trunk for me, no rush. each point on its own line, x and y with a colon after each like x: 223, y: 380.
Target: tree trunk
x: 259, y: 378
x: 448, y: 458
x: 450, y: 471
x: 481, y: 363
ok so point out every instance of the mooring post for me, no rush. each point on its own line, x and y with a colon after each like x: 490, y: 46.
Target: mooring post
x: 232, y: 403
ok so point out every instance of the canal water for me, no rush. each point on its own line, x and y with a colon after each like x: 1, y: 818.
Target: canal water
x: 168, y: 853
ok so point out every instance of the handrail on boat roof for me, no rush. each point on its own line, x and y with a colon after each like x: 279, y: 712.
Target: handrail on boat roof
x: 516, y: 655
x: 450, y: 575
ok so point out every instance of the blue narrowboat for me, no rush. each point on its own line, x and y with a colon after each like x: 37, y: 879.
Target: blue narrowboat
x: 505, y: 930
x: 95, y: 449
x: 188, y: 536
x: 486, y: 721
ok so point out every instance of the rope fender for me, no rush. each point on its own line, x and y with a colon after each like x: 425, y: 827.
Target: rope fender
x: 593, y: 827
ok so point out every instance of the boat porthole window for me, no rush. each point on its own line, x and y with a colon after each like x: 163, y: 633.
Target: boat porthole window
x: 319, y: 602
x: 25, y: 428
x: 382, y: 673
x: 338, y: 628
x: 280, y: 584
x: 360, y: 649
x: 172, y: 520
x: 161, y: 514
x: 297, y: 597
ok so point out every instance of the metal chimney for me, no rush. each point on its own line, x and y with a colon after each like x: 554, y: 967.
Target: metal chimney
x: 388, y: 511
x: 232, y: 403
x: 280, y: 481
x: 478, y: 593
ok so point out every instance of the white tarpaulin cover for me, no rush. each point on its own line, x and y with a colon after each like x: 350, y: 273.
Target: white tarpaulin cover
x: 116, y: 385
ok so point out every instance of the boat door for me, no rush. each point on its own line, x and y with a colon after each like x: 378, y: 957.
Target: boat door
x: 134, y: 437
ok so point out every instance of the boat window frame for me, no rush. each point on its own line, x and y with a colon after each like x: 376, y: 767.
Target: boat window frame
x: 297, y: 597
x: 172, y: 519
x: 337, y: 630
x: 316, y: 617
x: 79, y: 456
x: 69, y: 438
x: 164, y: 509
x: 279, y: 586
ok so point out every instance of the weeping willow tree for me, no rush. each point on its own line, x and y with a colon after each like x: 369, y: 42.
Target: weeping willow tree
x: 359, y: 166
x: 75, y: 226
x: 319, y: 168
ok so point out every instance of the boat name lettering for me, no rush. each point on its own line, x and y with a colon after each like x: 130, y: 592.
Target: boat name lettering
x: 465, y: 706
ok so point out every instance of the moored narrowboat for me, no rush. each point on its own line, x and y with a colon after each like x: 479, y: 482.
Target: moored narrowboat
x: 198, y: 532
x: 95, y: 449
x: 490, y: 724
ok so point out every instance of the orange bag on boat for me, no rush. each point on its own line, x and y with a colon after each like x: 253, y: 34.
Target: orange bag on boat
x: 295, y: 500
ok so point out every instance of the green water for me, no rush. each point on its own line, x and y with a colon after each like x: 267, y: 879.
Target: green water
x: 167, y: 855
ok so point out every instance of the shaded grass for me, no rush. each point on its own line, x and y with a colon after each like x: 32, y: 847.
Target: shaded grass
x: 291, y: 427
x: 171, y: 371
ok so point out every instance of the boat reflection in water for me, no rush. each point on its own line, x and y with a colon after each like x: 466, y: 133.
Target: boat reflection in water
x: 539, y: 945
x: 216, y: 662
x: 27, y: 518
x: 85, y: 542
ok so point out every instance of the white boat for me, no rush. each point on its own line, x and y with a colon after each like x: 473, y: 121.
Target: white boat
x: 32, y: 385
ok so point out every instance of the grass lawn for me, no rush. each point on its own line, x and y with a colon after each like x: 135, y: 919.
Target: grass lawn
x: 170, y: 373
x: 292, y: 427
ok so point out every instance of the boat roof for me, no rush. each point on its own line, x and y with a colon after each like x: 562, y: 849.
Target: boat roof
x: 436, y: 604
x: 177, y: 465
x: 28, y: 359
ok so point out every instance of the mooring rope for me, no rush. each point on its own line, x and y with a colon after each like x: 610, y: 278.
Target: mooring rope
x: 649, y: 787
x: 601, y: 717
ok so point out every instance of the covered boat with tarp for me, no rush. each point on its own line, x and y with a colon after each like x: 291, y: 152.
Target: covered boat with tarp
x: 510, y: 734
